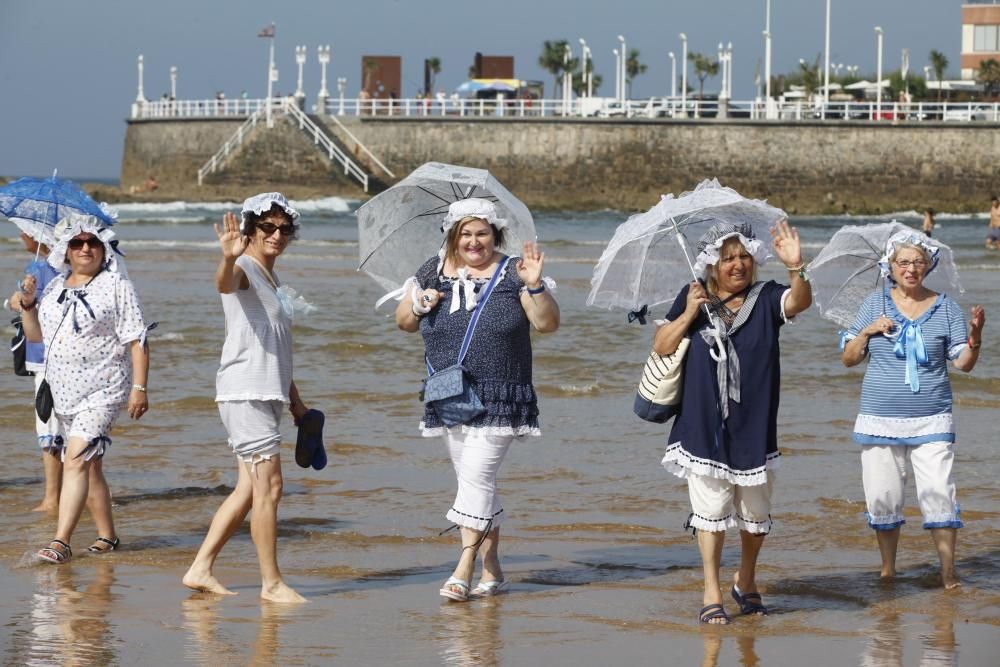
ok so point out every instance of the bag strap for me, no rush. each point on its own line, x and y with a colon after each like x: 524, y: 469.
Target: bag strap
x: 474, y: 320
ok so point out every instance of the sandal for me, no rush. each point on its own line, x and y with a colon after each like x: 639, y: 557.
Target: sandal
x: 460, y: 595
x: 712, y: 612
x: 489, y: 588
x: 750, y: 603
x: 55, y: 555
x: 98, y: 547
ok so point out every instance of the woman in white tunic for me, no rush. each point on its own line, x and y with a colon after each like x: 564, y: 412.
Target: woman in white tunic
x: 253, y: 384
x: 91, y: 322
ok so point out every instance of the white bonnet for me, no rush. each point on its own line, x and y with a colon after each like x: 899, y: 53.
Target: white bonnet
x: 262, y: 203
x: 712, y: 241
x: 908, y: 237
x: 75, y: 224
x: 473, y: 207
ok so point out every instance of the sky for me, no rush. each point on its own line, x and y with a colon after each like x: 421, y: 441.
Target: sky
x: 68, y: 68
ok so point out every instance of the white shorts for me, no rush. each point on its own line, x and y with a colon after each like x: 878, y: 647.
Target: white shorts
x: 253, y: 428
x: 883, y: 472
x: 476, y: 458
x: 49, y: 438
x: 717, y: 504
x: 94, y: 426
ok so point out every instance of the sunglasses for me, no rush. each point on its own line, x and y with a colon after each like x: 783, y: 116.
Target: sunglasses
x: 93, y: 242
x: 269, y: 228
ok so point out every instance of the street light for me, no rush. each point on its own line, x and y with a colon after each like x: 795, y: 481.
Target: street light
x: 323, y: 54
x: 300, y: 60
x: 826, y: 59
x: 767, y: 52
x: 173, y: 82
x: 722, y: 64
x: 618, y: 74
x: 140, y: 96
x: 341, y: 82
x: 567, y: 79
x: 623, y: 68
x: 684, y: 72
x: 729, y: 69
x: 673, y: 74
x: 878, y: 76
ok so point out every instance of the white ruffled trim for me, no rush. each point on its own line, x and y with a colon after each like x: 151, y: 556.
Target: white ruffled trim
x: 885, y: 519
x: 519, y: 432
x: 683, y: 464
x: 466, y: 521
x: 251, y: 397
x: 785, y: 318
x: 549, y: 283
x: 474, y: 207
x: 908, y: 237
x: 954, y: 515
x: 72, y: 226
x: 711, y: 525
x: 409, y: 287
x: 955, y: 350
x: 904, y: 427
x: 710, y: 255
x: 754, y: 527
x: 262, y: 203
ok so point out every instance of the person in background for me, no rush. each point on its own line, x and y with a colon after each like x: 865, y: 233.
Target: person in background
x: 928, y: 221
x: 993, y: 237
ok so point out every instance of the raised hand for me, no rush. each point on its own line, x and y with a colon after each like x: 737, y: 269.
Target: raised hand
x: 786, y: 244
x: 976, y: 324
x: 529, y: 267
x: 233, y: 242
x: 29, y: 286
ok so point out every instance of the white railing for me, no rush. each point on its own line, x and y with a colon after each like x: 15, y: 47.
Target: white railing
x: 360, y: 145
x: 320, y: 139
x: 220, y: 156
x: 201, y: 108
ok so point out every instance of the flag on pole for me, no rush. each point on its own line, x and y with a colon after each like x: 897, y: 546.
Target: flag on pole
x: 267, y: 32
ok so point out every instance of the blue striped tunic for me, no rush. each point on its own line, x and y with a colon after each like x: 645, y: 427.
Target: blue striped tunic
x: 892, y: 413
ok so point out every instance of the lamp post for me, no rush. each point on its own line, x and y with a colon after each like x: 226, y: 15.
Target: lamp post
x: 341, y: 82
x: 140, y: 96
x: 588, y: 65
x: 618, y: 72
x: 173, y: 82
x: 826, y: 59
x: 878, y: 75
x: 323, y: 55
x: 272, y: 72
x: 673, y: 74
x: 729, y: 69
x: 767, y: 54
x: 684, y: 73
x: 567, y: 79
x: 722, y: 64
x: 300, y: 60
x: 621, y: 39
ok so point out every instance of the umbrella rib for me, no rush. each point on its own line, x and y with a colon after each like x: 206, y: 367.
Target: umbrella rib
x: 433, y: 194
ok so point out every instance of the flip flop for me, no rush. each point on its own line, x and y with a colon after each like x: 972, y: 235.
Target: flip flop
x: 489, y: 588
x: 750, y: 603
x: 710, y: 612
x: 461, y: 595
x: 309, y: 443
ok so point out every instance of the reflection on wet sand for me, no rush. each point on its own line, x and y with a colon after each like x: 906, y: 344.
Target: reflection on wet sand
x: 885, y: 645
x: 210, y: 637
x: 469, y: 634
x: 69, y: 618
x: 713, y: 646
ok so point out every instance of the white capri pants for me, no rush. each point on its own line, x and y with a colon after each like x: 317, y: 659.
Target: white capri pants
x: 253, y: 428
x: 476, y: 458
x: 49, y: 435
x: 883, y: 471
x: 717, y: 504
x: 93, y: 426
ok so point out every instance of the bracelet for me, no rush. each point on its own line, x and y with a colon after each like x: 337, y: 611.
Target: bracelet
x: 539, y: 290
x: 26, y: 308
x: 796, y: 268
x: 139, y: 387
x: 975, y: 346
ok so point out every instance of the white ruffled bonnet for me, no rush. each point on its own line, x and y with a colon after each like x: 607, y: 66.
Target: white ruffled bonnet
x: 262, y: 203
x: 712, y: 241
x: 473, y: 207
x: 908, y: 237
x: 75, y: 224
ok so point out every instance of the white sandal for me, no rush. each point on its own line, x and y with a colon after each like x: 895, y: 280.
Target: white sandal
x: 489, y: 588
x: 461, y: 595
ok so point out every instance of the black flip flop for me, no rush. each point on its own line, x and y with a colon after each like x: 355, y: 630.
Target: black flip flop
x: 309, y: 449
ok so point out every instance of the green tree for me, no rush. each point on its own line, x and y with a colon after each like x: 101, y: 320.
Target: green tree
x: 704, y: 67
x: 989, y: 76
x: 939, y: 63
x: 552, y: 61
x: 434, y: 65
x: 914, y: 85
x: 633, y: 68
x: 580, y: 83
x: 809, y: 76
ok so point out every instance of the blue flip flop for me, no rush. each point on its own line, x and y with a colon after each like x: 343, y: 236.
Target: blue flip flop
x: 750, y: 603
x: 309, y: 449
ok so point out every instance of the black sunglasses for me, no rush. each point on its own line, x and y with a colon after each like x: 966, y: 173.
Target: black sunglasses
x: 269, y: 228
x: 93, y: 242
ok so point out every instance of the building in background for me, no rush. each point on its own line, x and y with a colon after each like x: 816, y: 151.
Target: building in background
x: 980, y: 34
x: 492, y: 67
x: 381, y: 77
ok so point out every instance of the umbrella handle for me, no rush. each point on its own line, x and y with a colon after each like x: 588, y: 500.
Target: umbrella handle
x: 721, y: 355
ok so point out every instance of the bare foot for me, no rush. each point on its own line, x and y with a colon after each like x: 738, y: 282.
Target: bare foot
x: 281, y: 592
x: 204, y: 581
x: 47, y: 506
x: 950, y: 580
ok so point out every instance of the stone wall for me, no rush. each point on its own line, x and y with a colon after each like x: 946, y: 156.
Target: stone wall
x: 805, y: 167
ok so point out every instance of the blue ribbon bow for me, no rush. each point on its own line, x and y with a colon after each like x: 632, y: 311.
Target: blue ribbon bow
x: 638, y: 315
x: 76, y: 297
x: 911, y: 347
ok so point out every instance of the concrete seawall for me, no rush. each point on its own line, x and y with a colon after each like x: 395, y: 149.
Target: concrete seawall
x: 804, y: 167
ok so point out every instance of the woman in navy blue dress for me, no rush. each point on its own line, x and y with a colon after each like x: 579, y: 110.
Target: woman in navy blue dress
x: 723, y: 440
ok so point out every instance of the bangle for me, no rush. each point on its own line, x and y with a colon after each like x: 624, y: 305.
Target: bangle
x: 975, y: 346
x: 139, y: 387
x: 538, y: 290
x: 796, y: 268
x: 28, y: 307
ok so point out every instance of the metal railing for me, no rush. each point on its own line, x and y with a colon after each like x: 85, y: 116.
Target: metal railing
x: 220, y: 156
x: 332, y: 150
x: 360, y: 145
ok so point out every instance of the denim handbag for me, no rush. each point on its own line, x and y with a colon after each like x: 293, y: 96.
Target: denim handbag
x: 448, y: 391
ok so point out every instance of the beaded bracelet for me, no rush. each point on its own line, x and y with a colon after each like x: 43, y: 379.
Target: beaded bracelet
x: 533, y: 292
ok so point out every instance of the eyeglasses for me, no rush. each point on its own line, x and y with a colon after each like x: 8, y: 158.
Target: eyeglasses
x: 904, y: 264
x: 93, y: 243
x: 269, y: 228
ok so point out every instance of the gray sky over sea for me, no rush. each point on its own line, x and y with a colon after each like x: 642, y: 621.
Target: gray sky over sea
x: 68, y: 68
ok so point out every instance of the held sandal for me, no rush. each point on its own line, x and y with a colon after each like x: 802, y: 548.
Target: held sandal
x: 103, y: 545
x: 460, y: 595
x: 55, y: 555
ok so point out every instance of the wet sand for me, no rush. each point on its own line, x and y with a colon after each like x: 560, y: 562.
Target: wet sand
x: 601, y: 571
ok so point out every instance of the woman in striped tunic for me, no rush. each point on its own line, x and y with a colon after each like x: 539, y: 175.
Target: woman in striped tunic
x: 253, y: 384
x: 909, y: 333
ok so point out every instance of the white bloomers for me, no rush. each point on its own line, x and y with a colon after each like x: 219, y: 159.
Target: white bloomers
x: 717, y: 504
x: 94, y: 426
x: 252, y: 427
x: 476, y: 458
x: 883, y: 470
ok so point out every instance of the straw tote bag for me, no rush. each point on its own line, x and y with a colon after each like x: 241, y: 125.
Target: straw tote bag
x: 660, y: 387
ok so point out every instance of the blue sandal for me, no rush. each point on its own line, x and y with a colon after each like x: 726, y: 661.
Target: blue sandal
x: 750, y: 603
x: 712, y: 612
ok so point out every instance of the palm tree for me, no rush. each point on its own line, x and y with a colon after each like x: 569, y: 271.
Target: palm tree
x: 580, y: 83
x: 704, y: 67
x: 371, y: 66
x: 551, y: 60
x: 989, y: 75
x: 633, y: 68
x: 939, y: 63
x: 434, y: 65
x: 810, y: 75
